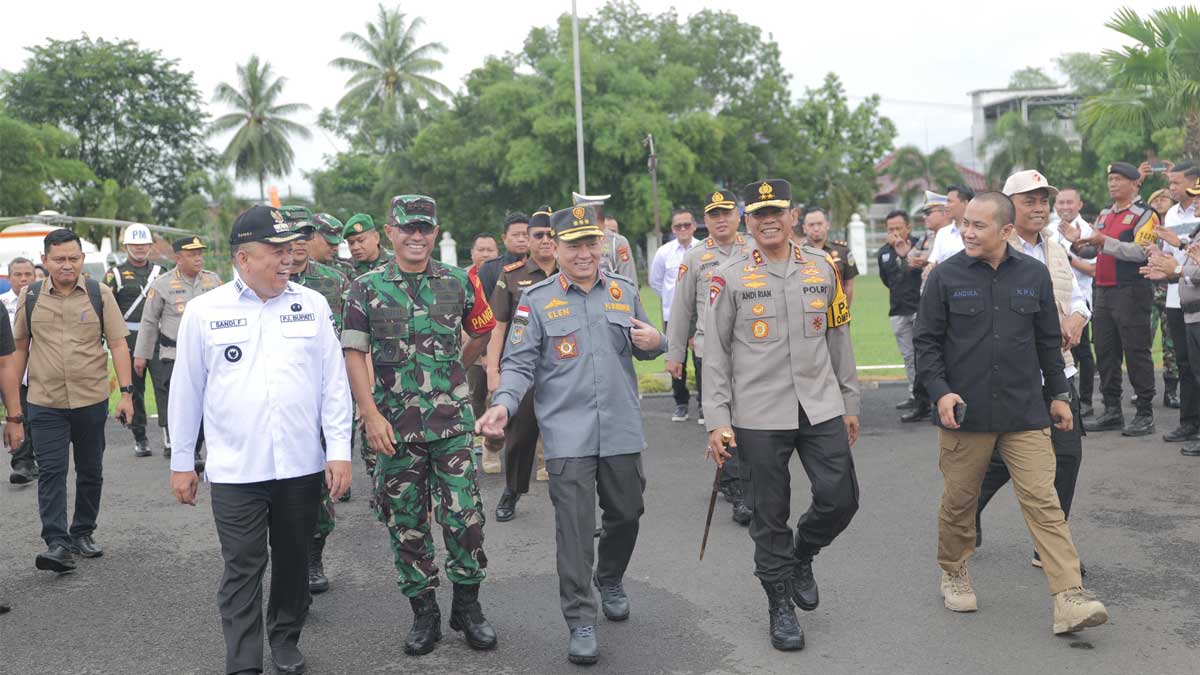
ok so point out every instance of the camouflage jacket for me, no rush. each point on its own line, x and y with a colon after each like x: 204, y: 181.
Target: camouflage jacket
x: 414, y: 337
x: 330, y: 283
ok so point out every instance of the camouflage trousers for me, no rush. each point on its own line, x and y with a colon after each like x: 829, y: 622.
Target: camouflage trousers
x: 325, y: 514
x: 437, y: 476
x: 1158, y: 316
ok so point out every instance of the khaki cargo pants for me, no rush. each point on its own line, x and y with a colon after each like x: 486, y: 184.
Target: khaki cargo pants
x: 964, y: 457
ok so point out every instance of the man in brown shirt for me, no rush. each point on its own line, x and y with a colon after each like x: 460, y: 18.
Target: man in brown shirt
x: 60, y: 328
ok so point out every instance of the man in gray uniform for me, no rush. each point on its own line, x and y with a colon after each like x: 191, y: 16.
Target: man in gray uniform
x: 691, y: 299
x: 779, y: 378
x: 165, y: 301
x: 573, y: 339
x: 616, y: 256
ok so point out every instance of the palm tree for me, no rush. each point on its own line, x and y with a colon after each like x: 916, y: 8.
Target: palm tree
x: 393, y: 74
x: 1019, y: 144
x: 262, y: 145
x: 1157, y: 78
x: 914, y: 172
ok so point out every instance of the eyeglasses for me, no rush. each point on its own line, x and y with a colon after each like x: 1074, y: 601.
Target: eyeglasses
x: 544, y: 234
x: 682, y: 226
x: 418, y: 227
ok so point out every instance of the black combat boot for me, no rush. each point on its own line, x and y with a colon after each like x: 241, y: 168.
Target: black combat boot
x: 1170, y: 395
x: 427, y: 624
x: 804, y: 585
x: 467, y: 616
x: 1111, y: 420
x: 786, y: 634
x: 318, y: 583
x: 1184, y: 432
x: 1141, y: 425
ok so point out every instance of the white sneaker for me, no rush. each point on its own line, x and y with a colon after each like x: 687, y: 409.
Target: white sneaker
x: 957, y: 591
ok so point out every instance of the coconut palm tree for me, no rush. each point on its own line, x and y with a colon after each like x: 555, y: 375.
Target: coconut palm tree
x: 1157, y: 78
x: 1019, y: 144
x: 914, y: 172
x: 262, y: 145
x: 393, y: 73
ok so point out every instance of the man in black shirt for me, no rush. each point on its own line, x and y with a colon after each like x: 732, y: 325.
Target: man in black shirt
x: 988, y: 342
x: 903, y: 282
x: 516, y: 247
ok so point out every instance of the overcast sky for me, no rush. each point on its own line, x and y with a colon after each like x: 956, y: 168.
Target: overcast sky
x: 921, y: 57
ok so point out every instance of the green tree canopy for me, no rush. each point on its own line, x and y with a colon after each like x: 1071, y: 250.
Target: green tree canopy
x: 34, y: 162
x: 261, y: 146
x: 914, y: 172
x: 138, y: 119
x: 1031, y: 77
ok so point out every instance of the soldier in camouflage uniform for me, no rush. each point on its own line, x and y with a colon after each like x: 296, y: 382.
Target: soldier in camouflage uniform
x: 324, y: 246
x: 410, y: 315
x: 366, y: 244
x: 333, y: 286
x: 1158, y: 314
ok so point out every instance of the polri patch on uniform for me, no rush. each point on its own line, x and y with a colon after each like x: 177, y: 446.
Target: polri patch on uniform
x: 759, y: 329
x: 714, y: 289
x: 624, y: 253
x: 566, y: 347
x: 233, y: 353
x: 614, y: 290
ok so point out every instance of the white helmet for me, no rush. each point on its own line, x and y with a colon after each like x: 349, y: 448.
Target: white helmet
x: 137, y: 234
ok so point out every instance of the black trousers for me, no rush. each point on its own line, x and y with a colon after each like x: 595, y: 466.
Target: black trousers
x: 679, y: 388
x: 138, y: 425
x: 1085, y: 361
x: 575, y: 483
x: 22, y: 457
x: 55, y: 432
x: 248, y: 516
x: 1068, y: 455
x: 1192, y: 342
x: 161, y: 371
x: 520, y: 446
x: 1121, y: 320
x: 825, y: 452
x: 1189, y: 402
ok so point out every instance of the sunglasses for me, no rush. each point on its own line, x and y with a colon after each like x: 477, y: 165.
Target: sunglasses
x: 544, y: 234
x: 418, y: 227
x: 682, y: 226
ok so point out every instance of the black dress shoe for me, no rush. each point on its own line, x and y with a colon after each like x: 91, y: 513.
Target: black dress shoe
x: 141, y: 449
x: 1111, y: 420
x: 20, y: 477
x: 1086, y: 410
x: 287, y: 659
x: 919, y: 413
x: 57, y: 558
x: 5, y: 608
x: 742, y: 514
x: 1184, y: 432
x: 86, y: 547
x: 582, y: 647
x: 506, y: 508
x: 1141, y: 425
x: 907, y: 404
x: 1191, y: 449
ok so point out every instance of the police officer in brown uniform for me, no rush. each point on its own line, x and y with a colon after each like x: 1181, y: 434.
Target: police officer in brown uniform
x: 780, y: 378
x: 520, y: 440
x: 691, y: 300
x: 165, y: 301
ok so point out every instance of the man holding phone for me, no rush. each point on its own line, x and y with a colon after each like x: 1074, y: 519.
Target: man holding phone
x: 988, y: 336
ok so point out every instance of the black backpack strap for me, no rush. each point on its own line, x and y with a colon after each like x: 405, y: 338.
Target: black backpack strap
x: 31, y: 298
x: 93, y: 291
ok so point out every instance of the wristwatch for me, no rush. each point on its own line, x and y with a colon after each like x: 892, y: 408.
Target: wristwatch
x: 128, y: 389
x: 1178, y: 270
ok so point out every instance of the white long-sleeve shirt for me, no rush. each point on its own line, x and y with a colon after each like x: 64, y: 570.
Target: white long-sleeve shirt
x: 266, y: 379
x: 1182, y: 222
x: 1079, y: 303
x: 946, y: 243
x: 664, y: 271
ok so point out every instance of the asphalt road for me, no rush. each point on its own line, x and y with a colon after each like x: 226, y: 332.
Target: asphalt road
x: 148, y: 605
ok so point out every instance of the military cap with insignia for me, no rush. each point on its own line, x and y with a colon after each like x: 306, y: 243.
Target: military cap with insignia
x: 770, y: 193
x: 574, y: 223
x: 589, y: 200
x: 358, y: 223
x: 720, y: 199
x: 329, y: 227
x: 933, y: 199
x: 540, y: 217
x: 1124, y: 169
x: 261, y: 223
x: 412, y: 209
x: 188, y: 243
x: 300, y: 218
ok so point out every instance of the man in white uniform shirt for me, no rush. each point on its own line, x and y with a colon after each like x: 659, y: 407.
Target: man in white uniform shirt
x: 1067, y: 204
x: 664, y: 272
x: 259, y: 365
x: 1179, y: 223
x: 24, y: 468
x: 949, y: 239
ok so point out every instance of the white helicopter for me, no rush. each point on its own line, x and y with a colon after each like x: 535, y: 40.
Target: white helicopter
x: 22, y: 237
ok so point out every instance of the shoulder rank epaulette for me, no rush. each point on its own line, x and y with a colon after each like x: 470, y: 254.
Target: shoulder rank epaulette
x: 514, y: 266
x: 839, y: 243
